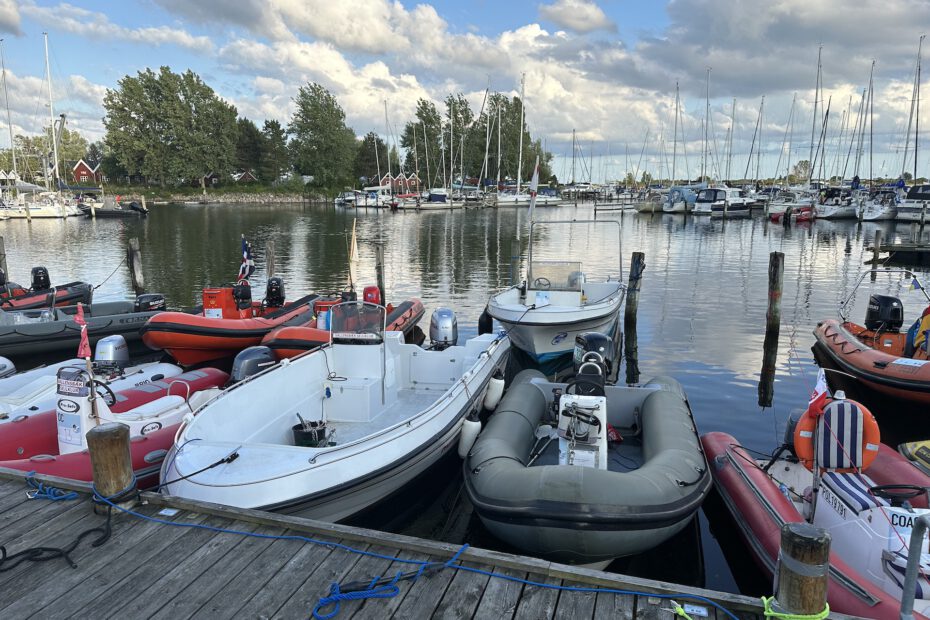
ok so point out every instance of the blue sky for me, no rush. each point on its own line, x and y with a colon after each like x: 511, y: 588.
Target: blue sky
x: 606, y: 69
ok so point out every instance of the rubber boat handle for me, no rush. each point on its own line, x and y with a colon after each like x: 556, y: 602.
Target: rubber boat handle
x: 881, y: 364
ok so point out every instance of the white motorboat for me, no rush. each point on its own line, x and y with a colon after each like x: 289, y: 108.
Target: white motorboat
x: 838, y: 204
x: 721, y: 202
x: 334, y: 430
x: 545, y: 313
x: 33, y: 391
x: 46, y: 205
x: 681, y: 199
x: 916, y: 204
x: 513, y: 199
x: 881, y: 206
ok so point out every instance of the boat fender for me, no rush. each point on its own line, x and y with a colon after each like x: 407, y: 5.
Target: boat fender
x: 804, y: 435
x: 471, y: 426
x: 7, y: 367
x: 485, y: 323
x: 492, y: 397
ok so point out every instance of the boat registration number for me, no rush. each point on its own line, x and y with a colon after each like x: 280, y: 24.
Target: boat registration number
x: 903, y: 361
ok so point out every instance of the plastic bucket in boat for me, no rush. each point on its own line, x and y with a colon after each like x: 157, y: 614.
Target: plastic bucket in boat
x: 311, y: 436
x: 322, y: 320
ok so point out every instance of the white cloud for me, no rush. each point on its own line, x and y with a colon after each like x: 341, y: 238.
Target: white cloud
x: 9, y: 17
x: 580, y: 16
x: 83, y: 22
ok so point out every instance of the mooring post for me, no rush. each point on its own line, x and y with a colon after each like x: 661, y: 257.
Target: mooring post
x: 772, y: 329
x: 803, y: 570
x: 637, y: 266
x: 269, y: 259
x: 6, y: 272
x: 776, y: 276
x: 876, y: 250
x: 111, y: 461
x: 134, y: 260
x: 144, y: 208
x: 379, y: 268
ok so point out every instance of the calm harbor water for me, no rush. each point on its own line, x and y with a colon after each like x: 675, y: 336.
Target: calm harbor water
x: 701, y: 311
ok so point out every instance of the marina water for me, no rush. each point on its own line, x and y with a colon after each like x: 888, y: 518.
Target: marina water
x: 701, y: 310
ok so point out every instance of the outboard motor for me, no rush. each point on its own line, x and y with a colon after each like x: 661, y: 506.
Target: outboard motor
x: 349, y: 296
x: 249, y: 362
x: 884, y: 313
x: 594, y: 342
x: 149, y: 302
x: 274, y: 293
x: 111, y: 353
x: 40, y: 279
x: 242, y: 294
x: 372, y: 294
x: 443, y: 329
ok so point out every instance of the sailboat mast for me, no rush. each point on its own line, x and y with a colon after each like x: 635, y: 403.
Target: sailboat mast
x: 573, y: 156
x: 675, y: 136
x: 429, y: 180
x: 810, y: 158
x: 759, y: 152
x: 789, y: 129
x: 451, y: 146
x: 706, y: 124
x: 730, y: 144
x: 917, y: 113
x: 915, y: 94
x: 9, y: 118
x: 51, y: 114
x: 499, y: 106
x: 522, y: 112
x: 387, y: 135
x: 871, y: 125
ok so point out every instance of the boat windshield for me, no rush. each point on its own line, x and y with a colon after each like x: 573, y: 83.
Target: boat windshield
x: 556, y: 275
x: 25, y: 317
x: 357, y: 322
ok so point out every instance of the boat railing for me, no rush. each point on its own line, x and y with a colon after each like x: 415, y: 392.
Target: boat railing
x: 914, y: 548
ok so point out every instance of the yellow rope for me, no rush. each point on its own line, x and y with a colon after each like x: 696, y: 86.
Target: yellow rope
x: 770, y: 613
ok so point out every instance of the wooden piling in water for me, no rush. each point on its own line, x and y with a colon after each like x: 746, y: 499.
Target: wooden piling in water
x: 637, y: 266
x: 134, y: 261
x: 3, y: 266
x: 776, y: 276
x: 876, y: 250
x: 803, y: 570
x: 379, y: 268
x: 269, y: 259
x: 110, y: 460
x: 772, y: 329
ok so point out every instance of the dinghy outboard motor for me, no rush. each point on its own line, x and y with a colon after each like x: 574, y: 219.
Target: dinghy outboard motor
x: 443, y: 329
x: 594, y: 342
x: 111, y: 353
x: 149, y: 302
x: 274, y: 293
x: 249, y: 362
x: 40, y: 279
x: 884, y: 313
x: 242, y: 294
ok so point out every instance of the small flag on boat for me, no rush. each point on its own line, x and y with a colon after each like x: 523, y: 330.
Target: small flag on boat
x: 915, y: 283
x: 534, y: 185
x: 84, y: 347
x: 820, y: 394
x: 247, y: 268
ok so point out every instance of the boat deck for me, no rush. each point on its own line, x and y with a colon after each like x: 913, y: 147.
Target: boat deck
x: 150, y: 569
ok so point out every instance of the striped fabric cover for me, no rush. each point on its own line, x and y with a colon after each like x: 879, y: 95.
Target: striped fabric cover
x: 853, y: 490
x: 839, y: 436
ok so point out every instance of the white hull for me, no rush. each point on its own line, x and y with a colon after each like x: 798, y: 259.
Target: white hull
x: 879, y: 213
x: 909, y: 211
x: 837, y: 212
x: 377, y: 447
x: 680, y: 206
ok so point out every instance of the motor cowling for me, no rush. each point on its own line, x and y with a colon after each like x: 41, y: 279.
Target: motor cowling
x: 111, y: 352
x: 372, y: 294
x: 249, y: 362
x: 349, y: 296
x: 149, y: 302
x: 594, y: 342
x: 274, y: 292
x: 242, y: 294
x: 443, y: 328
x: 884, y: 313
x: 40, y: 279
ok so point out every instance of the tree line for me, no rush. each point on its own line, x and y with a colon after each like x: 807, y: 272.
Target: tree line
x: 167, y: 128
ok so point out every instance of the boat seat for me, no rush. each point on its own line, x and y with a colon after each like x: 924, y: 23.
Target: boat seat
x: 839, y: 443
x: 853, y: 490
x: 154, y: 408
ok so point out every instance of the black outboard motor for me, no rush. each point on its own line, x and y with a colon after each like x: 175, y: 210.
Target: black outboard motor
x: 884, y: 313
x: 249, y: 362
x: 595, y: 342
x: 135, y: 206
x: 274, y: 293
x: 2, y: 278
x: 149, y: 302
x: 349, y: 296
x: 40, y: 279
x: 242, y: 294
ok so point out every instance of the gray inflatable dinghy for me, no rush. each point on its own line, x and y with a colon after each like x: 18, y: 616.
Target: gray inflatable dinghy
x: 544, y: 477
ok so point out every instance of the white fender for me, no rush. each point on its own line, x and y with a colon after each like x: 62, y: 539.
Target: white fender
x: 494, y: 392
x: 471, y: 426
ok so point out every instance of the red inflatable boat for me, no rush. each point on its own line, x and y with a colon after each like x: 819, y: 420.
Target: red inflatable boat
x: 229, y: 322
x: 153, y: 411
x: 287, y: 342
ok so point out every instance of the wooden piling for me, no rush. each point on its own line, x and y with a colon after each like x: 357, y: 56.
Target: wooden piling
x: 144, y: 208
x: 637, y: 266
x: 876, y: 250
x: 269, y: 259
x: 3, y: 266
x: 110, y: 459
x: 379, y: 268
x: 776, y: 276
x: 134, y: 261
x: 803, y: 569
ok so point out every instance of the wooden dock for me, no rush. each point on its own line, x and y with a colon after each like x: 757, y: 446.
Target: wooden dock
x: 148, y: 569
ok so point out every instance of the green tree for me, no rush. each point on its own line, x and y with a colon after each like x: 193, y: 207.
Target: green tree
x: 71, y: 146
x: 274, y: 160
x: 249, y: 145
x: 94, y: 153
x: 169, y: 127
x: 321, y: 144
x: 370, y: 158
x: 421, y: 138
x: 800, y: 172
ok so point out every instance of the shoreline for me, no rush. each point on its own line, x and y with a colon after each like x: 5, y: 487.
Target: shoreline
x: 223, y: 198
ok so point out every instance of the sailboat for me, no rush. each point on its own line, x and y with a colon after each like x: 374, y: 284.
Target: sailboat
x: 556, y: 302
x: 915, y: 204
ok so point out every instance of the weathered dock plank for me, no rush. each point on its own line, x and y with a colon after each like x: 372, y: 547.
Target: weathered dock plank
x: 425, y: 593
x: 463, y: 595
x: 502, y: 596
x: 538, y: 603
x: 575, y: 604
x: 376, y: 609
x: 610, y: 606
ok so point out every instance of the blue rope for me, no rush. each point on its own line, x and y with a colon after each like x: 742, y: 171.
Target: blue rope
x: 376, y: 589
x: 41, y: 491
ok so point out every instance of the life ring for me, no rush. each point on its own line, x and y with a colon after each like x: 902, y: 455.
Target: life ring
x: 805, y: 431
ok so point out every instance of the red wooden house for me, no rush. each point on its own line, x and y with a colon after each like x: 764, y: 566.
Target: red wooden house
x: 84, y: 174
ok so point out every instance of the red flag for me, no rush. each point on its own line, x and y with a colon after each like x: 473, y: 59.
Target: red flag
x: 84, y: 347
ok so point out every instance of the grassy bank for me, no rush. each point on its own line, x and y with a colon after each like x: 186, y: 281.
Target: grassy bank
x: 247, y: 192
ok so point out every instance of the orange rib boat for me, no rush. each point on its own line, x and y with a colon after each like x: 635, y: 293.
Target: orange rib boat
x: 228, y: 323
x: 287, y: 342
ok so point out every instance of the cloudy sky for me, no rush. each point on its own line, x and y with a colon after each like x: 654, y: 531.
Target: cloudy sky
x: 605, y: 68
